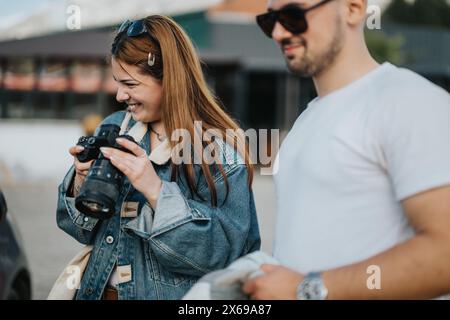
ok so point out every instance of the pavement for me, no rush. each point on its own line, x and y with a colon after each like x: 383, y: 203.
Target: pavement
x: 49, y: 249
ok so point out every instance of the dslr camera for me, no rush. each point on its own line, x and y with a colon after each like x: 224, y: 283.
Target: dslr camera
x: 100, y: 190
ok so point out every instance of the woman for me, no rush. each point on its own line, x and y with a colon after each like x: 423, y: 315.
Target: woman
x: 174, y: 222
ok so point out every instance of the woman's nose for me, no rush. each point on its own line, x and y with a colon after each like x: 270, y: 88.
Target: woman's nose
x: 122, y: 95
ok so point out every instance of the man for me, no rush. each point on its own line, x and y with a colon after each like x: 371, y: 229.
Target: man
x: 363, y: 187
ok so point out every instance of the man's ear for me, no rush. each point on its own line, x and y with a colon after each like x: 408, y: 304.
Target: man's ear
x: 355, y: 12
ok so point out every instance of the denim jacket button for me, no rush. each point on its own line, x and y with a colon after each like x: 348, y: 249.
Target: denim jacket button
x: 89, y: 291
x: 109, y: 239
x: 86, y: 219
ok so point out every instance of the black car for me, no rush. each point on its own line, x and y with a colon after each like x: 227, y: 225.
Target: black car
x: 15, y: 280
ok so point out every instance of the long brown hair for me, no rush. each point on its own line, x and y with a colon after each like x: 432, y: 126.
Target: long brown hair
x: 186, y: 97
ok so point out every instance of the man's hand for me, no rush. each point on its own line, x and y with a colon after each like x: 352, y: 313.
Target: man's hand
x: 137, y: 167
x: 278, y: 283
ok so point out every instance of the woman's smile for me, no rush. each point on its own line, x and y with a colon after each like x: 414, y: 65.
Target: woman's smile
x: 134, y: 107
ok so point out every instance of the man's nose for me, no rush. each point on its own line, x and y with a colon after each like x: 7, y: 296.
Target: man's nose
x: 122, y: 95
x: 279, y: 33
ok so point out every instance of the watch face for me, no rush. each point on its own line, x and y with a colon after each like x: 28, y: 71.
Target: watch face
x: 312, y: 288
x: 316, y: 288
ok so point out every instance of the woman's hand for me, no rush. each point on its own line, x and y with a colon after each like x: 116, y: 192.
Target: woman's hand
x: 81, y: 169
x: 137, y: 167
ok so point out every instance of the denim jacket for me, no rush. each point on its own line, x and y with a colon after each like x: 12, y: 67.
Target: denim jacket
x: 160, y: 253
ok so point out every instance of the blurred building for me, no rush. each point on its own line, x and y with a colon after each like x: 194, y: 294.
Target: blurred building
x: 65, y: 75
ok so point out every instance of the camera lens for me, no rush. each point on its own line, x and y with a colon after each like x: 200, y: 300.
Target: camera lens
x: 100, y: 191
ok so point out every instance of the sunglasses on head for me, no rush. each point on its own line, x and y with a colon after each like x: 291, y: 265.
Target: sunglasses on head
x: 134, y: 28
x: 291, y: 17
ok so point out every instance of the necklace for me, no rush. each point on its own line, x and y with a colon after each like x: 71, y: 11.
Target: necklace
x: 158, y: 135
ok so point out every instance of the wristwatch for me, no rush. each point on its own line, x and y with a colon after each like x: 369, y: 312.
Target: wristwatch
x: 312, y: 288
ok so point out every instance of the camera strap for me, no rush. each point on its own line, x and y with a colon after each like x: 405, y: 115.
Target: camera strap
x: 124, y: 125
x: 137, y: 131
x: 161, y: 154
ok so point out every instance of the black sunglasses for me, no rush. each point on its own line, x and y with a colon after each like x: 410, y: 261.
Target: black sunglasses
x: 291, y: 17
x: 134, y: 28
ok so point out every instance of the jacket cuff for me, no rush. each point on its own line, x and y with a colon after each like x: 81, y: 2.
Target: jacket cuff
x: 172, y: 209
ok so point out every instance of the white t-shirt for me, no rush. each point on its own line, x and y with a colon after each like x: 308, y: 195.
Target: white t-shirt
x: 349, y: 160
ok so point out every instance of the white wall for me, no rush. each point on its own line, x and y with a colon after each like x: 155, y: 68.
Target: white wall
x: 36, y: 150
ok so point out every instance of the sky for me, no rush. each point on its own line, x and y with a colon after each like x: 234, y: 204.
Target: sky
x: 11, y: 8
x: 23, y: 18
x: 15, y: 7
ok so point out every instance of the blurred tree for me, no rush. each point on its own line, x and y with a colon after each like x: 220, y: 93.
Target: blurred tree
x: 419, y: 12
x: 90, y: 122
x: 385, y: 48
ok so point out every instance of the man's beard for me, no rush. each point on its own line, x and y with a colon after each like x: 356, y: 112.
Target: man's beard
x: 307, y: 66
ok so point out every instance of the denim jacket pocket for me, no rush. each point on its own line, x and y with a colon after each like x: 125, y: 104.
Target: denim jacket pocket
x: 161, y: 274
x: 175, y: 279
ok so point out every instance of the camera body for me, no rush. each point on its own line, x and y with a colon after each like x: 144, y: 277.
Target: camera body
x: 99, y: 193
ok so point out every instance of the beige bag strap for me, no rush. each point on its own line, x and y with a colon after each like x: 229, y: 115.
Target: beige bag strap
x: 68, y: 282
